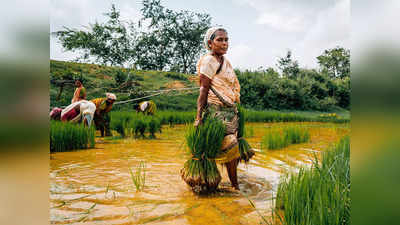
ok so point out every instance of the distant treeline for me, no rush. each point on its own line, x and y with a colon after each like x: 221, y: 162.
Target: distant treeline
x: 310, y: 90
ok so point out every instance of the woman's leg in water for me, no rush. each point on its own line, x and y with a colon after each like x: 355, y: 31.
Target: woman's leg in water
x: 231, y: 168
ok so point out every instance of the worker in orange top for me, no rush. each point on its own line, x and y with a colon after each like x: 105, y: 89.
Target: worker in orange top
x: 80, y: 92
x: 101, y: 116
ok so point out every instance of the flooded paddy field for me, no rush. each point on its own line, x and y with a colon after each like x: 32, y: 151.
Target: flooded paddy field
x: 95, y: 186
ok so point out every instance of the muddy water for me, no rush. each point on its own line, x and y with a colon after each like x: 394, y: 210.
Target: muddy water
x: 95, y: 187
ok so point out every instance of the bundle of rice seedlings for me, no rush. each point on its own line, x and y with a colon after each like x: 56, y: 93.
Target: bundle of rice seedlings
x: 204, y: 143
x: 244, y: 148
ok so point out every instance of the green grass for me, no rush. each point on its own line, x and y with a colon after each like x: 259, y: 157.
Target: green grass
x: 68, y: 136
x: 320, y: 194
x: 281, y: 138
x: 138, y: 176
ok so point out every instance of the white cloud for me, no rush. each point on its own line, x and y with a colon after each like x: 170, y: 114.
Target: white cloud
x: 240, y: 56
x: 332, y: 28
x: 282, y: 22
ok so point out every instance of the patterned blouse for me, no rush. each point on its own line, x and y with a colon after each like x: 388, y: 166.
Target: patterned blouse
x: 225, y: 83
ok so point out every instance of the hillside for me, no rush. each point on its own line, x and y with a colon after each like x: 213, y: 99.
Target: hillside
x: 126, y: 84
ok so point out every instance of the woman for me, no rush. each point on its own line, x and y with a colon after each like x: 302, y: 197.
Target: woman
x: 101, y: 117
x: 80, y: 92
x: 81, y: 111
x: 219, y: 93
x: 146, y: 107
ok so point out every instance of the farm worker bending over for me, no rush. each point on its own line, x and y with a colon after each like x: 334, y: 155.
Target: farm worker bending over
x: 101, y: 117
x: 81, y: 111
x: 80, y: 92
x: 55, y: 113
x: 147, y: 107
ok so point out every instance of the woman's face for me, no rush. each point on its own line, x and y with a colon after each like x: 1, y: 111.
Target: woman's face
x: 219, y: 45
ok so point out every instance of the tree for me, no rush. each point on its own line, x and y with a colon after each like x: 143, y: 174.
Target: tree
x: 176, y: 35
x: 335, y: 62
x: 172, y: 40
x: 108, y: 43
x: 288, y: 66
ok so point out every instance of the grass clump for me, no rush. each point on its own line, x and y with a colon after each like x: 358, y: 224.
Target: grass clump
x: 278, y: 139
x: 69, y: 136
x: 321, y: 194
x: 139, y: 176
x: 204, y: 144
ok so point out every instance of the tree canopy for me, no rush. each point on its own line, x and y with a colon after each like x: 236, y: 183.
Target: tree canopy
x: 172, y: 40
x: 335, y: 62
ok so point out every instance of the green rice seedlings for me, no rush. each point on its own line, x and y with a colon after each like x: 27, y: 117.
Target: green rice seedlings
x: 320, y: 194
x: 139, y: 127
x: 69, y: 136
x: 249, y: 132
x: 139, y: 176
x: 244, y: 148
x: 278, y: 139
x: 204, y: 144
x: 274, y: 139
x: 296, y: 134
x: 154, y: 126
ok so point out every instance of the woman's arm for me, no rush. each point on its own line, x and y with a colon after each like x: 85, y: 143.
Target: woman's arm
x: 205, y: 84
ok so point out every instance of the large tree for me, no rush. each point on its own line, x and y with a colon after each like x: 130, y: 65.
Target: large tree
x: 288, y: 66
x: 109, y: 43
x: 170, y: 41
x: 178, y: 35
x: 335, y: 62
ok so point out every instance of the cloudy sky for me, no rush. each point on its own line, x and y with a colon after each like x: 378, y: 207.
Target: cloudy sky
x: 260, y: 31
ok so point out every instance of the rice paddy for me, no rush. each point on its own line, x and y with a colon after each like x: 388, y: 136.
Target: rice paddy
x: 124, y: 190
x: 69, y: 136
x: 127, y: 123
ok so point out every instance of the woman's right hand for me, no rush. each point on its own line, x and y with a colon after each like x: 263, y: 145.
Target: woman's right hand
x: 197, y: 122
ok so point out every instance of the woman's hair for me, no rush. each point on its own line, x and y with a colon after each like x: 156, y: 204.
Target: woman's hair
x: 219, y: 29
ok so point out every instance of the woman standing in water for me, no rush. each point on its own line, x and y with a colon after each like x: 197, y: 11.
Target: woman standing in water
x: 219, y: 94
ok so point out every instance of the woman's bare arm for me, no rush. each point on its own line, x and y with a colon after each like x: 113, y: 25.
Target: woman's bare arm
x: 205, y: 84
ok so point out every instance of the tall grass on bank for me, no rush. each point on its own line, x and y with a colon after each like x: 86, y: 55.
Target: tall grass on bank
x: 69, y: 136
x: 320, y: 194
x: 277, y: 138
x: 139, y: 176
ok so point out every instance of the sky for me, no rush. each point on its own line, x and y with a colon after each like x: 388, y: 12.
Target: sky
x: 260, y: 31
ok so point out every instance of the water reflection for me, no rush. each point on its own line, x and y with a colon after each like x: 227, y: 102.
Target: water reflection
x: 95, y: 187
